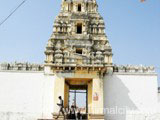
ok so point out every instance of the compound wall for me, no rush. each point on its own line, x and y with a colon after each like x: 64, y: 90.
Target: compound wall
x: 130, y: 96
x: 30, y: 95
x: 26, y: 95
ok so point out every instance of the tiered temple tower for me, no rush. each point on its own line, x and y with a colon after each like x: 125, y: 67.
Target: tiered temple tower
x: 78, y: 38
x: 79, y: 54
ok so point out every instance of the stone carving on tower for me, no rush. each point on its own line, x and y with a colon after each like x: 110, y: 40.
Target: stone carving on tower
x: 78, y: 38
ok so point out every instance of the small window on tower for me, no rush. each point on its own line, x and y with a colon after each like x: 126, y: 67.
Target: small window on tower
x: 79, y: 7
x: 79, y: 28
x: 79, y: 51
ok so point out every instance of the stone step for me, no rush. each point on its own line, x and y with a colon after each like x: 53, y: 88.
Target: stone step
x: 91, y: 117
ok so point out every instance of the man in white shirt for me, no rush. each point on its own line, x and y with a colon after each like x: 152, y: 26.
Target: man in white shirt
x: 61, y: 110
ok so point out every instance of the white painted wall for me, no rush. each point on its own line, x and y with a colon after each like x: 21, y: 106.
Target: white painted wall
x: 30, y: 95
x: 132, y: 96
x: 26, y: 95
x: 159, y: 101
x: 159, y: 97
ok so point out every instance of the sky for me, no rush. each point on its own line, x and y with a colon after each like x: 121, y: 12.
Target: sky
x: 132, y: 27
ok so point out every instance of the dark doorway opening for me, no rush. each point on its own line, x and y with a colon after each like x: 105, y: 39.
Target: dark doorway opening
x: 79, y: 7
x: 79, y: 28
x: 79, y: 51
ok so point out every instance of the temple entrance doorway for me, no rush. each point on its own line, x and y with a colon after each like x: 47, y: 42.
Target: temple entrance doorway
x: 78, y: 100
x: 76, y: 97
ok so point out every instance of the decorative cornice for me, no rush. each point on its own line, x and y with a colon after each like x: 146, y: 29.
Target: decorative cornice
x: 19, y: 66
x: 133, y: 69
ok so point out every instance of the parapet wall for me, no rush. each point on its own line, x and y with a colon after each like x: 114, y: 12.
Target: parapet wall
x: 133, y: 69
x: 21, y: 67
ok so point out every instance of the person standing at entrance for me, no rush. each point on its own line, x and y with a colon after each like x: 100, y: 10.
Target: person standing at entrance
x: 61, y: 107
x: 79, y: 116
x: 72, y: 113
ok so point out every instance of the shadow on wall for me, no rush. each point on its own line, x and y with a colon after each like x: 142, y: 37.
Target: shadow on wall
x: 158, y: 71
x: 116, y: 99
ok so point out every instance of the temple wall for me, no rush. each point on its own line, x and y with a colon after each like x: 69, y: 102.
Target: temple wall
x: 159, y: 94
x: 130, y: 96
x: 25, y: 95
x: 159, y: 101
x: 30, y: 95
